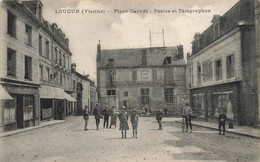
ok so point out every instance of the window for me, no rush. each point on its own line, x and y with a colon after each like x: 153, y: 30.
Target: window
x: 111, y: 77
x: 41, y: 71
x: 40, y: 45
x: 110, y: 62
x: 169, y: 76
x: 111, y: 92
x: 126, y: 93
x: 56, y: 55
x: 9, y: 110
x: 144, y: 57
x: 145, y: 96
x: 60, y: 78
x: 218, y: 70
x: 28, y: 68
x: 11, y: 24
x: 28, y: 108
x: 64, y: 78
x: 230, y: 66
x: 48, y: 73
x: 47, y: 52
x: 199, y: 73
x: 168, y: 95
x: 11, y: 62
x: 60, y: 63
x: 134, y: 75
x: 28, y: 31
x: 167, y: 61
x: 64, y: 60
x: 74, y: 85
x: 154, y: 74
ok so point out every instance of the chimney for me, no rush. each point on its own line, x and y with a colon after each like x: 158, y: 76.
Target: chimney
x: 180, y: 51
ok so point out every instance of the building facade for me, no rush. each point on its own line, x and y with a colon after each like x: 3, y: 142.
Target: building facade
x: 257, y: 33
x: 19, y: 67
x: 142, y: 78
x: 222, y: 67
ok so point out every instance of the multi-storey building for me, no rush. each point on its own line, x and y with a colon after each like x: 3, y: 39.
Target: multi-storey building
x: 222, y: 66
x: 142, y: 78
x: 19, y: 64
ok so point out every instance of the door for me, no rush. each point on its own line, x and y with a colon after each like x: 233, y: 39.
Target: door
x: 19, y: 112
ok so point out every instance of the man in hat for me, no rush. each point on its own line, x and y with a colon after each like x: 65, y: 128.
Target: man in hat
x: 187, y: 111
x: 97, y: 115
x: 159, y: 116
x: 105, y: 113
x: 222, y: 122
x: 85, y: 117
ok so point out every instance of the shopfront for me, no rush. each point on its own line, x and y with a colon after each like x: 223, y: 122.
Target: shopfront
x: 210, y: 101
x: 22, y: 110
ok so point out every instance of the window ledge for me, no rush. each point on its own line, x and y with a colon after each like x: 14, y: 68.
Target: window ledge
x: 29, y: 45
x: 12, y: 36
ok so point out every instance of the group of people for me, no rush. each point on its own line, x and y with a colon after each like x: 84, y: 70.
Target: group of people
x: 123, y: 118
x: 106, y: 113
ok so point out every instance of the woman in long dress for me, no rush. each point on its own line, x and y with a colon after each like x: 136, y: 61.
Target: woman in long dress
x: 123, y: 118
x: 113, y: 117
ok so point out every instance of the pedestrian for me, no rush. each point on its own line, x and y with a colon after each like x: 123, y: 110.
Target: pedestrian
x: 187, y: 111
x: 134, y: 121
x: 85, y: 117
x: 113, y: 117
x: 96, y: 113
x: 222, y: 122
x: 159, y: 116
x: 123, y: 118
x: 105, y: 113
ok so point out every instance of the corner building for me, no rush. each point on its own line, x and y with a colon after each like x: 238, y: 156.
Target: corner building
x: 142, y: 78
x: 222, y: 67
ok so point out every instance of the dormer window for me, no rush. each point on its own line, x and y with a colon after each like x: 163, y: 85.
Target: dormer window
x: 110, y: 62
x: 167, y: 61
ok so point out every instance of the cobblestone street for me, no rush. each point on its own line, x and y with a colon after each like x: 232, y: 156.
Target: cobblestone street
x: 68, y: 142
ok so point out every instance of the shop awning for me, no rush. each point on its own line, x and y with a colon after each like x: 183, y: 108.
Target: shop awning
x: 46, y: 92
x: 4, y: 95
x: 58, y: 93
x: 68, y: 97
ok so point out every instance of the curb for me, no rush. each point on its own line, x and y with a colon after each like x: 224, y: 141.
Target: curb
x: 232, y: 132
x: 31, y: 128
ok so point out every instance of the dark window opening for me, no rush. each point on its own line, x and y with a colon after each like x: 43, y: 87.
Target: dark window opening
x: 110, y: 62
x: 40, y: 45
x: 168, y: 95
x: 230, y: 66
x: 28, y: 68
x: 11, y: 62
x: 145, y: 96
x: 28, y: 31
x: 218, y: 70
x: 11, y: 24
x: 111, y: 92
x: 125, y: 93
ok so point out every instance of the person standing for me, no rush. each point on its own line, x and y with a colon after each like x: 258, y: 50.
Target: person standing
x: 159, y: 116
x: 187, y: 111
x: 134, y: 121
x: 105, y: 113
x: 123, y: 118
x: 96, y: 113
x: 113, y: 117
x: 222, y: 122
x: 85, y: 117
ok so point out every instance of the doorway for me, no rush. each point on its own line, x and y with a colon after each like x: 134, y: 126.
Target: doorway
x: 19, y: 112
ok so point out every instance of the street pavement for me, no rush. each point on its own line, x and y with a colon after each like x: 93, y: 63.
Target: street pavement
x: 68, y: 141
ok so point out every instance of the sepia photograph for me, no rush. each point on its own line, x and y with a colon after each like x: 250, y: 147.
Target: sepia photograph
x: 129, y: 80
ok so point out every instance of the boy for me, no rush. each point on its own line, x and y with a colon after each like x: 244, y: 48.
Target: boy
x: 134, y: 121
x: 222, y: 122
x: 159, y: 116
x: 85, y: 117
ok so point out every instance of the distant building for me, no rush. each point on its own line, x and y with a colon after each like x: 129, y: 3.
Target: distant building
x: 142, y: 78
x: 222, y: 66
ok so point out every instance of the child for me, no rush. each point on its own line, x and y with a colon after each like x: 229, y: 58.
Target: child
x: 123, y: 117
x: 134, y: 121
x: 85, y: 117
x: 159, y: 116
x: 222, y: 122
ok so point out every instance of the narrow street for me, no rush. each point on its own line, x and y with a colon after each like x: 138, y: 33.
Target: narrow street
x: 68, y: 142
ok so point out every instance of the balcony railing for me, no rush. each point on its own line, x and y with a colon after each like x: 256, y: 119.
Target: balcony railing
x: 157, y: 83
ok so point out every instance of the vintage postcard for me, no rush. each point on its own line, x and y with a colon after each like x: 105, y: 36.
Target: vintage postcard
x: 129, y: 80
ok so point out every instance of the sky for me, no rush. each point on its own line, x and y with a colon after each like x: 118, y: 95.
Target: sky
x: 117, y: 30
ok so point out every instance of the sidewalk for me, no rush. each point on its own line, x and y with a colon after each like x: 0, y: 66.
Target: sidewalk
x: 240, y: 130
x: 17, y: 131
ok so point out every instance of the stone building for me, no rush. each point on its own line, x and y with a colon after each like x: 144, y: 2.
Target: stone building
x: 19, y: 64
x: 222, y: 66
x: 81, y: 90
x: 142, y: 78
